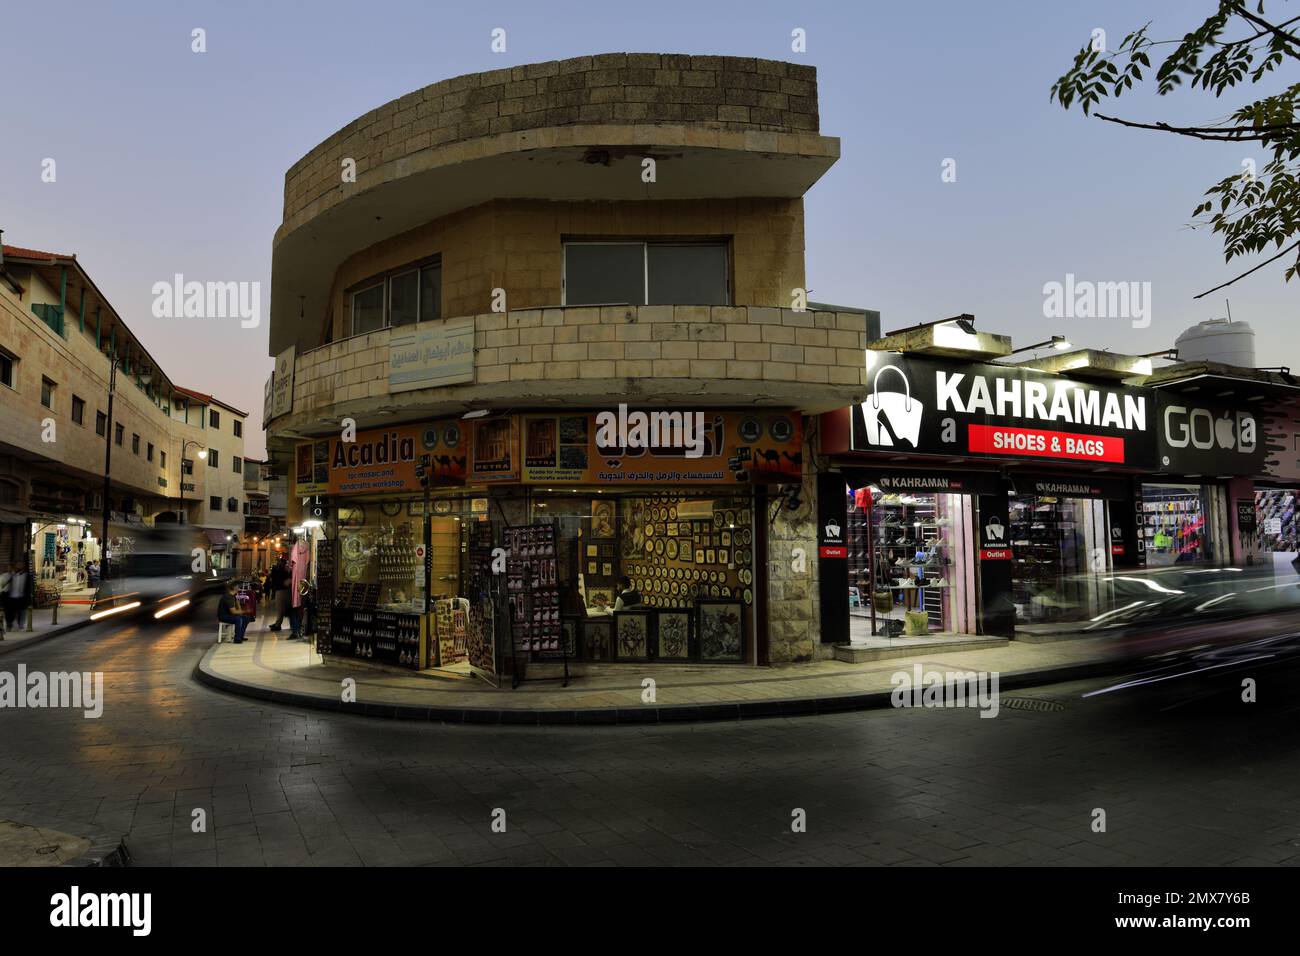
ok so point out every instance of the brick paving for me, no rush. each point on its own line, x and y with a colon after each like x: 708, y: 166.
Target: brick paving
x: 1204, y: 782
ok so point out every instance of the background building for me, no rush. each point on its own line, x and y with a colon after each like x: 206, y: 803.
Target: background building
x: 59, y: 337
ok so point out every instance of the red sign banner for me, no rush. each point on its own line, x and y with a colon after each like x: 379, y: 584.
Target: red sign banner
x: 995, y: 554
x: 1037, y: 443
x: 833, y: 552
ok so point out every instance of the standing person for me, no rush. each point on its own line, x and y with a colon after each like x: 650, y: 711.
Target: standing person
x: 229, y: 611
x: 278, y: 585
x: 18, y: 594
x: 298, y: 586
x: 6, y: 573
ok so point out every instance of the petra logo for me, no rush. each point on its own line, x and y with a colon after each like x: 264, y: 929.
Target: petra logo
x: 995, y: 530
x: 892, y: 417
x: 832, y: 529
x: 1200, y: 429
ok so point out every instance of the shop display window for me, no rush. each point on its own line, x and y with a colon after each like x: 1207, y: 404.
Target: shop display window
x: 1173, y: 524
x: 678, y: 550
x: 1275, y: 517
x: 378, y: 543
x: 900, y: 560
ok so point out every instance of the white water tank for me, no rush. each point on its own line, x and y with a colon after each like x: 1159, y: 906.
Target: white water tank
x: 1218, y: 340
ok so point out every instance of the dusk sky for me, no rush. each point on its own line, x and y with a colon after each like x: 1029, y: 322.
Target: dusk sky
x: 172, y: 162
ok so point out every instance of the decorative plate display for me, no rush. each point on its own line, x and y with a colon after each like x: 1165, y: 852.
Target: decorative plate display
x: 672, y: 513
x: 442, y: 506
x: 717, y: 518
x: 746, y: 576
x: 750, y: 430
x: 731, y: 518
x: 355, y: 570
x: 672, y: 548
x: 649, y: 531
x: 352, y: 547
x: 748, y: 596
x: 353, y: 517
x: 780, y: 428
x: 649, y: 546
x: 391, y: 508
x: 659, y: 545
x: 745, y: 536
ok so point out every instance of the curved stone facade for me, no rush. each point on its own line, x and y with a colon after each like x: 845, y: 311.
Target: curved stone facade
x: 735, y: 94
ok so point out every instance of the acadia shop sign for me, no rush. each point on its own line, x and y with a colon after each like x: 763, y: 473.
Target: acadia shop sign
x: 935, y: 407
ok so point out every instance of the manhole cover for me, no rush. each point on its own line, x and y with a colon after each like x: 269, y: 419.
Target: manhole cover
x: 1030, y: 703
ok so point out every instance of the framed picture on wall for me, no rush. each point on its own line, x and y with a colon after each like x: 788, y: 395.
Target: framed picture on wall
x: 719, y: 630
x: 673, y: 630
x: 597, y: 637
x: 601, y: 597
x: 632, y: 635
x: 699, y: 555
x: 602, y: 519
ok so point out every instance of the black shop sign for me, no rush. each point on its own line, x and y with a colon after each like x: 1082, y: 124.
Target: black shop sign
x: 929, y: 406
x: 1207, y: 438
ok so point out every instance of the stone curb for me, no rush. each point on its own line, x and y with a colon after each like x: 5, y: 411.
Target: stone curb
x: 608, y: 716
x: 7, y: 648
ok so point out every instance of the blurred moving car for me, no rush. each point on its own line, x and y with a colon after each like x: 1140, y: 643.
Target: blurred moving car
x: 162, y: 572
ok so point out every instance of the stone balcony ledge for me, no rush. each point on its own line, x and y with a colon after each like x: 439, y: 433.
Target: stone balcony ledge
x: 710, y: 356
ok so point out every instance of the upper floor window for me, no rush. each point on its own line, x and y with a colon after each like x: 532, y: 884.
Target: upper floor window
x: 78, y: 410
x: 101, y: 424
x: 645, y: 273
x: 405, y: 297
x: 213, y: 458
x: 214, y: 502
x: 162, y: 460
x: 47, y: 393
x: 232, y: 505
x: 187, y: 466
x: 237, y: 464
x: 214, y: 418
x: 118, y: 432
x: 6, y: 369
x: 135, y: 444
x: 239, y: 428
x: 148, y: 452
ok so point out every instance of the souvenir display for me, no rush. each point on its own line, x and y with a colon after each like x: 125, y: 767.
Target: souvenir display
x: 632, y: 635
x: 719, y: 630
x: 532, y: 583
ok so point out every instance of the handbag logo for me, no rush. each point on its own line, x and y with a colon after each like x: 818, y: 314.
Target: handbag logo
x: 833, y: 529
x: 892, y: 417
x: 995, y: 530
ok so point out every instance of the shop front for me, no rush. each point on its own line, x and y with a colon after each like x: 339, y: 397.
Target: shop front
x: 1005, y: 496
x: 487, y: 545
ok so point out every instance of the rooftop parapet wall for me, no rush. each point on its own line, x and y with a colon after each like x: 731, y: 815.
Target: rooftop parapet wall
x: 736, y: 94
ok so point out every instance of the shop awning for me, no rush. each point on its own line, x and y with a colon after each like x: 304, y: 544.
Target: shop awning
x: 12, y: 517
x: 217, y: 538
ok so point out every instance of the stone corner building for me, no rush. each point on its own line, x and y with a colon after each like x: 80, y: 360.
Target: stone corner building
x: 558, y: 239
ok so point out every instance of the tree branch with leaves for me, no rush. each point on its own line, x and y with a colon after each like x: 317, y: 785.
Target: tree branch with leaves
x: 1256, y: 210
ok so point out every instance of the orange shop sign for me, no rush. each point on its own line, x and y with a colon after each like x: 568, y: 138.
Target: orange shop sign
x: 382, y: 460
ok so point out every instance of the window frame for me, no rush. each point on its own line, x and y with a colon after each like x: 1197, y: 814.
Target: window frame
x: 48, y: 385
x: 214, y: 419
x: 101, y: 424
x: 383, y: 280
x: 239, y: 428
x: 723, y: 241
x: 9, y: 359
x: 238, y: 464
x: 78, y: 411
x: 135, y: 443
x: 119, y: 434
x: 148, y: 451
x: 211, y: 499
x: 213, y: 460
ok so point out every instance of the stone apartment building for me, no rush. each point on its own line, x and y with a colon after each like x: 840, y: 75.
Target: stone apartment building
x: 492, y: 260
x: 58, y: 337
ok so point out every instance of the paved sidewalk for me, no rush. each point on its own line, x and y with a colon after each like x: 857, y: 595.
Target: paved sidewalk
x: 269, y: 666
x: 71, y: 616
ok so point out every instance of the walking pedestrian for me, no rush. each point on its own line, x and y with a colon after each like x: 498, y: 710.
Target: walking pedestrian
x: 17, y: 594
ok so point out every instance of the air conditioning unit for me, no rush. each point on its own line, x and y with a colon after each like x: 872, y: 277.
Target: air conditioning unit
x: 695, y: 511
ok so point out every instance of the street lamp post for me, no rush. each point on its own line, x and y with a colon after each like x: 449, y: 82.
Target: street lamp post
x: 203, y: 454
x: 108, y: 465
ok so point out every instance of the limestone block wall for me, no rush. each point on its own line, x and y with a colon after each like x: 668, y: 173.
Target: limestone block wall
x: 730, y: 94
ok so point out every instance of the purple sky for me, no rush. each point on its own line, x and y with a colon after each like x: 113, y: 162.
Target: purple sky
x: 170, y: 161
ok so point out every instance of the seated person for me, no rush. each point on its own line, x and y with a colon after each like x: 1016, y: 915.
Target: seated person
x: 230, y: 611
x: 628, y: 596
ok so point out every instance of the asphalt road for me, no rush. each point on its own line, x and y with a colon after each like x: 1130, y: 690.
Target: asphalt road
x: 1185, y: 771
